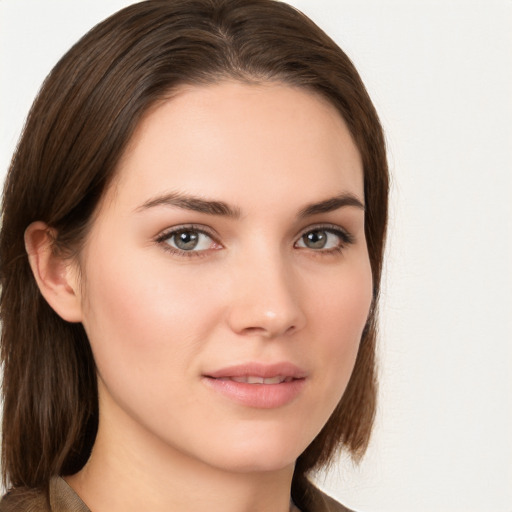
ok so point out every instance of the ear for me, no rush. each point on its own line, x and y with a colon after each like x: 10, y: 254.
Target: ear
x: 56, y: 276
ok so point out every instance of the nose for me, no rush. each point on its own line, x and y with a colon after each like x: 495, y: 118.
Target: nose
x: 266, y: 301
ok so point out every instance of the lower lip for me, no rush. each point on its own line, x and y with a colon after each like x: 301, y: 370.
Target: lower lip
x: 260, y: 396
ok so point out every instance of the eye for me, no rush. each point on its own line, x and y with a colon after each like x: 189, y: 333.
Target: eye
x: 187, y: 240
x: 324, y: 239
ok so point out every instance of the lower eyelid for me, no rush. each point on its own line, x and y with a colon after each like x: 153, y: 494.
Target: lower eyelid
x: 344, y: 236
x: 163, y: 240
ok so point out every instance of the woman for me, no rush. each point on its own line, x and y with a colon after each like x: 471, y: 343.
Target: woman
x: 191, y: 249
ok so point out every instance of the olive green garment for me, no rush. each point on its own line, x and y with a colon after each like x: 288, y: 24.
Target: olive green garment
x: 61, y: 498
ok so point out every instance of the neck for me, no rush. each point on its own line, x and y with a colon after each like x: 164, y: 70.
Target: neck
x: 135, y: 471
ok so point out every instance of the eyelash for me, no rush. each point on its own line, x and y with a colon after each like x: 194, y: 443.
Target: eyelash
x: 166, y: 235
x: 345, y: 238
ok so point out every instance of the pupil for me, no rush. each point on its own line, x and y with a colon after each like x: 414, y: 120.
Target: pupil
x: 316, y: 239
x: 186, y: 240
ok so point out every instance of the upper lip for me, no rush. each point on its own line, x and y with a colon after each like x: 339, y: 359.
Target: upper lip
x: 256, y: 369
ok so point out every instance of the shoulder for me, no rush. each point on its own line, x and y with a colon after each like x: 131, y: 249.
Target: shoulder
x: 25, y: 500
x: 329, y: 504
x: 58, y: 497
x: 321, y: 502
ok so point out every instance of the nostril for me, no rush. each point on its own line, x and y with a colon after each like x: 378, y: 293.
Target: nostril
x: 254, y: 330
x: 268, y: 333
x: 290, y: 329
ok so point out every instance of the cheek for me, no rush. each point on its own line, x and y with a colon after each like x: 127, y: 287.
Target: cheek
x: 139, y: 316
x: 343, y: 302
x: 340, y: 316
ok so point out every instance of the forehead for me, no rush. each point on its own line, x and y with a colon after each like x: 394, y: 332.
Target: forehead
x: 237, y: 141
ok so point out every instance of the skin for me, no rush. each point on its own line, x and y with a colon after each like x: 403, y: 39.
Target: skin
x: 252, y: 290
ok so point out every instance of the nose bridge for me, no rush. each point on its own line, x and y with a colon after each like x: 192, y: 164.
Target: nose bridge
x: 266, y: 301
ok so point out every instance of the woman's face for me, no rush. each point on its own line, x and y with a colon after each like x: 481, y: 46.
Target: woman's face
x: 226, y: 279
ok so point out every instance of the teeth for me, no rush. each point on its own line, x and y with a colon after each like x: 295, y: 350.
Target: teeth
x: 250, y: 379
x: 255, y: 380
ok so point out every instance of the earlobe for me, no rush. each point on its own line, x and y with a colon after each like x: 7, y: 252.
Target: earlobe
x: 55, y: 275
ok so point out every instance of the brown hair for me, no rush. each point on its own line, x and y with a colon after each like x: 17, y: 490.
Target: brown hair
x: 75, y: 134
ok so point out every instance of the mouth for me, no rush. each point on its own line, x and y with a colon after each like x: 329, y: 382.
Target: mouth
x: 253, y: 379
x: 259, y: 373
x: 258, y: 385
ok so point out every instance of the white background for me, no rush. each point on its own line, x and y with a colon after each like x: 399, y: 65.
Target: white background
x: 440, y: 74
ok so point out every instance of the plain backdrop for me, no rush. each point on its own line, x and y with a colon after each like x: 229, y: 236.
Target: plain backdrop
x: 440, y: 74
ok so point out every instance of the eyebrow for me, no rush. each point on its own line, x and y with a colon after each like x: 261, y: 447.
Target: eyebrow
x: 189, y: 202
x: 331, y: 204
x: 212, y: 207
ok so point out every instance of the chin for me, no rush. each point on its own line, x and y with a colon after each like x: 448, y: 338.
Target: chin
x: 258, y: 462
x: 261, y: 451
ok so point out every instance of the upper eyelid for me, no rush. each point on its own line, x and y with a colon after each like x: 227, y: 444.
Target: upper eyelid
x: 325, y: 226
x: 168, y: 232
